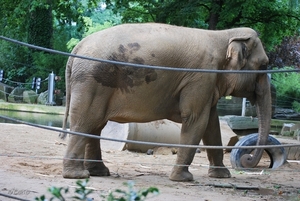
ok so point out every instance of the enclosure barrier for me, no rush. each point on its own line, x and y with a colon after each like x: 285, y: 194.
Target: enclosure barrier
x: 147, y: 143
x: 146, y: 66
x: 133, y: 141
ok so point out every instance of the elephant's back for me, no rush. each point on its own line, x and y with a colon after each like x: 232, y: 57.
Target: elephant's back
x: 148, y: 35
x: 149, y: 44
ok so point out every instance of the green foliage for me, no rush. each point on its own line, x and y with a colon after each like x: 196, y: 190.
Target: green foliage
x: 296, y: 106
x: 131, y: 195
x: 72, y: 43
x: 82, y: 193
x: 41, y: 22
x: 287, y: 89
x: 14, y: 61
x: 91, y: 28
x: 182, y: 13
x: 61, y: 24
x: 40, y: 26
x: 48, y: 24
x: 45, y: 63
x: 273, y: 19
x: 102, y: 16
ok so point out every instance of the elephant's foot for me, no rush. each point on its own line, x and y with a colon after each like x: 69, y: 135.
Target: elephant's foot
x: 71, y: 173
x: 181, y: 174
x: 97, y: 169
x: 220, y: 172
x: 74, y: 170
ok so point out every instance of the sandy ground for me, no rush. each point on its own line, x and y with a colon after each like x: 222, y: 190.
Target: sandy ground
x: 31, y: 162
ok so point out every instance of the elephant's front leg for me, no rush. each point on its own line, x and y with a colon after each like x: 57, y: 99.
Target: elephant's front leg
x: 191, y: 134
x: 95, y: 166
x: 212, y: 137
x: 73, y: 166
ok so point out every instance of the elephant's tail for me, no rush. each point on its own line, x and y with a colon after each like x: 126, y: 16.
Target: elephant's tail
x: 63, y: 135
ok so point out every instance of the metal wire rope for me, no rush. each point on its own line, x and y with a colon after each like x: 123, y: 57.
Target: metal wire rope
x: 25, y: 83
x: 12, y: 197
x: 19, y: 96
x: 139, y: 66
x: 145, y: 66
x: 15, y: 82
x: 92, y: 136
x: 147, y: 163
x: 147, y: 143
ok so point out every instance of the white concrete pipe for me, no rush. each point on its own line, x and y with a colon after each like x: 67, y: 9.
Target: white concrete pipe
x: 161, y: 131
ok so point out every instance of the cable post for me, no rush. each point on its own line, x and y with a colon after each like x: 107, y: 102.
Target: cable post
x: 51, y: 86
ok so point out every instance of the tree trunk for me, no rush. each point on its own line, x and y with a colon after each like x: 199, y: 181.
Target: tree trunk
x: 40, y: 28
x: 216, y: 6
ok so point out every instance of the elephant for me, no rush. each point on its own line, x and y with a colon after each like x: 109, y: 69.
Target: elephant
x: 97, y: 92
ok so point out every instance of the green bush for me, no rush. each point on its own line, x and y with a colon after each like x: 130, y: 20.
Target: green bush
x: 131, y: 195
x: 287, y: 89
x: 82, y: 193
x: 296, y: 106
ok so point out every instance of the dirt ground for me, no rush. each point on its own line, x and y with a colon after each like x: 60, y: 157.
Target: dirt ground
x: 31, y: 162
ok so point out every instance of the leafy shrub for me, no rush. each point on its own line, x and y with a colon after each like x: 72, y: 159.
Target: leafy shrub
x: 82, y: 193
x: 287, y: 89
x: 132, y: 195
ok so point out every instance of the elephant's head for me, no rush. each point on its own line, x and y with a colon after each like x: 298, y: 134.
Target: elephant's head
x: 245, y: 52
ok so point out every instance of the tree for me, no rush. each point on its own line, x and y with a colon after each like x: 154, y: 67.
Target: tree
x: 37, y: 22
x: 52, y: 23
x: 40, y: 25
x: 273, y: 19
x: 287, y: 89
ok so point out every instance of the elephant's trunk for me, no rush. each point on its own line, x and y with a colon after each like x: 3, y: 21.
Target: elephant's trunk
x: 264, y: 112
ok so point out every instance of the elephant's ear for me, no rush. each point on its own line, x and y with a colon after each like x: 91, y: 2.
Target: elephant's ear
x: 237, y: 53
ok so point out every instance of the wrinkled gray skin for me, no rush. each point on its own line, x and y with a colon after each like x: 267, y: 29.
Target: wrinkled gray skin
x: 98, y: 92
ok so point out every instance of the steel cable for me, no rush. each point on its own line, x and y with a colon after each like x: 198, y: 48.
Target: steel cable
x: 147, y: 143
x: 144, y: 66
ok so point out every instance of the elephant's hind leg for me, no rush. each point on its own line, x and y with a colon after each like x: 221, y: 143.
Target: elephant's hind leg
x: 212, y: 137
x: 83, y: 157
x: 73, y: 167
x: 87, y: 115
x: 93, y: 158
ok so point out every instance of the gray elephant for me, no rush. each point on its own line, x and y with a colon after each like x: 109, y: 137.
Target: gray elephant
x: 98, y: 91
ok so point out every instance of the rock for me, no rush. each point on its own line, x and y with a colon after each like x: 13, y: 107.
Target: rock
x: 5, y: 90
x: 16, y: 96
x: 58, y: 98
x: 291, y: 129
x: 43, y: 98
x: 293, y: 152
x: 287, y: 114
x: 150, y: 152
x: 164, y: 151
x: 30, y: 96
